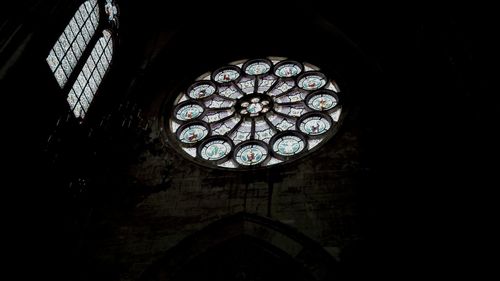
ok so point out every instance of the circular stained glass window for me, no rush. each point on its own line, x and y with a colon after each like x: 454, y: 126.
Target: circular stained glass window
x: 255, y: 113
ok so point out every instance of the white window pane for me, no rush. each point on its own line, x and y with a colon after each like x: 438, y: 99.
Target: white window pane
x: 89, y: 94
x: 69, y: 33
x: 81, y: 79
x: 90, y: 28
x: 104, y: 62
x: 97, y: 77
x: 76, y: 50
x: 79, y: 19
x: 52, y: 60
x: 81, y: 41
x: 89, y: 6
x: 94, y: 18
x: 84, y: 102
x: 60, y: 76
x: 74, y: 26
x: 101, y: 68
x: 86, y: 71
x: 95, y: 55
x: 71, y: 58
x: 58, y: 50
x: 83, y: 11
x: 64, y: 42
x: 66, y: 67
x: 98, y: 47
x: 77, y: 89
x: 78, y: 110
x: 85, y: 35
x: 72, y: 99
x: 93, y: 85
x: 109, y: 52
x: 91, y: 63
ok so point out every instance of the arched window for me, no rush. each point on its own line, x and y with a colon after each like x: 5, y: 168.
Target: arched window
x: 90, y: 77
x: 71, y: 47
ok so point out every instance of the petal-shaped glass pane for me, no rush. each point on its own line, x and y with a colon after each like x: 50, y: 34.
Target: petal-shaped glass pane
x: 242, y: 133
x: 281, y: 87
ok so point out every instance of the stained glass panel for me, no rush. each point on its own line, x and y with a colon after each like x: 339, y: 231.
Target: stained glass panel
x: 224, y: 127
x: 322, y: 101
x: 201, y: 90
x: 230, y: 92
x: 263, y: 131
x: 266, y: 82
x: 280, y: 122
x: 218, y: 102
x: 314, y: 125
x: 189, y: 111
x: 281, y: 87
x: 193, y: 134
x: 257, y: 68
x: 312, y: 82
x: 288, y: 145
x: 288, y: 69
x: 242, y: 133
x: 251, y: 154
x: 295, y: 110
x: 247, y: 84
x: 215, y: 150
x: 292, y: 97
x: 226, y: 75
x: 214, y: 116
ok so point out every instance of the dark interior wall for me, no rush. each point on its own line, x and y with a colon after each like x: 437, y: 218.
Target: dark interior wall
x: 394, y: 194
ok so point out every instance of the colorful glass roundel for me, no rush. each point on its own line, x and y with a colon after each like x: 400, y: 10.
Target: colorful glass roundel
x: 255, y: 113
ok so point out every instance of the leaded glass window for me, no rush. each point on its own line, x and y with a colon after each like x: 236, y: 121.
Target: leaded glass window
x: 89, y: 78
x: 71, y: 44
x: 256, y: 113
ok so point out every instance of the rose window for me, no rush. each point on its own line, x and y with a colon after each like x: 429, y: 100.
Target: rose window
x: 255, y: 113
